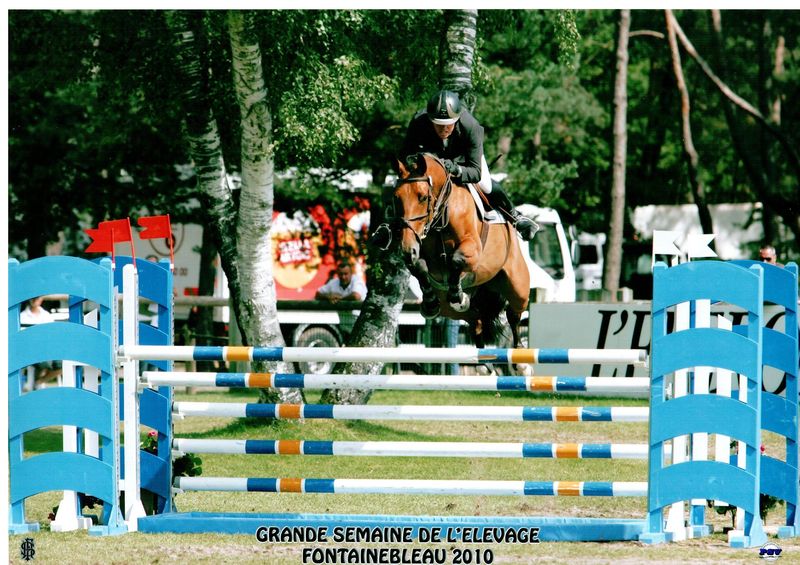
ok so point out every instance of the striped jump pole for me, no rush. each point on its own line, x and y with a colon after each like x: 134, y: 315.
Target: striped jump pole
x: 412, y: 486
x: 414, y: 412
x: 414, y: 449
x: 382, y: 354
x: 400, y: 382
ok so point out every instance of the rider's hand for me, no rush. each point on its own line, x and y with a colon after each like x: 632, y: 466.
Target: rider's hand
x: 452, y: 168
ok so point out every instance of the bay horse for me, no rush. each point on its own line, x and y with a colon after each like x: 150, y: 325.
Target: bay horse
x: 467, y: 269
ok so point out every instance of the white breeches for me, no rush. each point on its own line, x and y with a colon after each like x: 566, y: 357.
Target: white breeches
x: 485, y: 184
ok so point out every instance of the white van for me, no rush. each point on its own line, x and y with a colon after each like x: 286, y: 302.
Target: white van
x: 589, y: 272
x: 549, y: 257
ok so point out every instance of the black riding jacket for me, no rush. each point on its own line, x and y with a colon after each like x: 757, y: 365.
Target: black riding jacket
x: 464, y: 146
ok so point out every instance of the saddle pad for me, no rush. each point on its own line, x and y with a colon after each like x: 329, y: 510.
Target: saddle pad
x: 489, y: 216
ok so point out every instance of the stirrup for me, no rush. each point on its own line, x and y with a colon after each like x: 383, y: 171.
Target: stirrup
x: 381, y: 237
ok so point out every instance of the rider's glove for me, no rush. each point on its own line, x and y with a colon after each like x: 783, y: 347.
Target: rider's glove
x: 452, y: 168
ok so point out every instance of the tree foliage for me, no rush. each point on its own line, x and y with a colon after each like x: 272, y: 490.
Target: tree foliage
x: 95, y: 125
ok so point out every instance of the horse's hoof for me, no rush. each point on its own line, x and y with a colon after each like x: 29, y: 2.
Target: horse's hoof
x: 523, y: 369
x: 462, y: 305
x: 429, y: 310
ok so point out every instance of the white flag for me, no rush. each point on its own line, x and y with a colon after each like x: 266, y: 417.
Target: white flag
x: 664, y: 242
x: 697, y: 245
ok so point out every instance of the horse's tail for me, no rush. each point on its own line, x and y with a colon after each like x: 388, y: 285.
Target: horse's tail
x: 491, y: 306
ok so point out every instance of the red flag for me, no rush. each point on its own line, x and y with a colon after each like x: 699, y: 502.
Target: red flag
x: 121, y: 229
x: 158, y: 226
x: 155, y: 226
x: 101, y: 240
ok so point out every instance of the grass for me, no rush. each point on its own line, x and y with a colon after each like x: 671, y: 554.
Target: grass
x: 78, y: 547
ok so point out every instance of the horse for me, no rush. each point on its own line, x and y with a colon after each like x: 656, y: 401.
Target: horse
x: 468, y: 269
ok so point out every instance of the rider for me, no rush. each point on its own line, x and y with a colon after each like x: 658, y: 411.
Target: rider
x: 452, y: 133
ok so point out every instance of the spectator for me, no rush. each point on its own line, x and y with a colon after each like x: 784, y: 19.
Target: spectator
x: 767, y: 254
x: 32, y: 315
x: 344, y: 287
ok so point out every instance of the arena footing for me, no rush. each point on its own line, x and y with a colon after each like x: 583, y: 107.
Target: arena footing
x: 550, y: 528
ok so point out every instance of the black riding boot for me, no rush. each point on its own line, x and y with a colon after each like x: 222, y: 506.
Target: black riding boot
x: 502, y: 203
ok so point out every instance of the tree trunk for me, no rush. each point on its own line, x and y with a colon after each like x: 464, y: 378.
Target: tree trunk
x: 690, y: 153
x: 613, y: 262
x: 258, y: 311
x: 204, y: 146
x: 204, y: 327
x: 377, y: 324
x: 460, y: 54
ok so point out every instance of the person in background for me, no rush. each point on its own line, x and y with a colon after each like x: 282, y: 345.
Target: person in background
x: 32, y: 315
x: 767, y: 254
x: 344, y: 286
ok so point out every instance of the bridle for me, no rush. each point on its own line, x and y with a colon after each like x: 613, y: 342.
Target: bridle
x: 435, y: 213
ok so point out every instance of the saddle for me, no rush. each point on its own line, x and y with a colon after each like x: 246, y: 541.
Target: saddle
x: 482, y: 204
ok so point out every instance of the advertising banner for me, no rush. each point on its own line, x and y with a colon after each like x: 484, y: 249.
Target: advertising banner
x: 595, y: 325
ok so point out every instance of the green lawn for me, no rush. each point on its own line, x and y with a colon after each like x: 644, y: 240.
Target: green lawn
x: 78, y: 547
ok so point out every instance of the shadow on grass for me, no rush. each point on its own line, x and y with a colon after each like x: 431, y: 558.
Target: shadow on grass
x: 249, y: 427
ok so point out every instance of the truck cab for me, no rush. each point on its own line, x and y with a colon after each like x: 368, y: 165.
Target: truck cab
x: 549, y: 257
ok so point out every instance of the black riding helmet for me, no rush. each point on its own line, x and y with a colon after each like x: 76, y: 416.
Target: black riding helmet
x: 444, y: 108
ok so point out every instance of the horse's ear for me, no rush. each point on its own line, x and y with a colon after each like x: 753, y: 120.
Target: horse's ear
x: 421, y: 164
x: 399, y: 167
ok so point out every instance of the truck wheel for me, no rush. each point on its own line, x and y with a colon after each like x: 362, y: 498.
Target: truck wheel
x: 316, y: 337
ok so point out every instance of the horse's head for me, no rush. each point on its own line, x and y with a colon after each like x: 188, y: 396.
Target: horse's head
x: 418, y: 200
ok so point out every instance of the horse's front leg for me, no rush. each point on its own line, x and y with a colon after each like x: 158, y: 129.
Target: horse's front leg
x: 430, y: 301
x: 463, y: 262
x: 514, y: 317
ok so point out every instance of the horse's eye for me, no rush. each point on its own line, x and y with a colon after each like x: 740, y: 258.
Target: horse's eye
x: 424, y: 197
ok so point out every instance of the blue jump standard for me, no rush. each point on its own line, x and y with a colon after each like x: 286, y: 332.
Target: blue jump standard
x: 551, y: 528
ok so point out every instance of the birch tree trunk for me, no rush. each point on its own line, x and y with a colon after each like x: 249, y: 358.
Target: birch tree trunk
x: 613, y: 262
x: 459, y: 54
x: 692, y: 158
x: 204, y: 145
x: 258, y: 312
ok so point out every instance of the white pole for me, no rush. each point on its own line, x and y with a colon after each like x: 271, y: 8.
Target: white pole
x: 680, y: 386
x: 68, y: 516
x: 384, y: 354
x: 130, y: 368
x: 722, y: 450
x: 702, y: 380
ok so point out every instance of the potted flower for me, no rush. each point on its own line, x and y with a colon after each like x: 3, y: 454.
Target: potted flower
x: 187, y: 465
